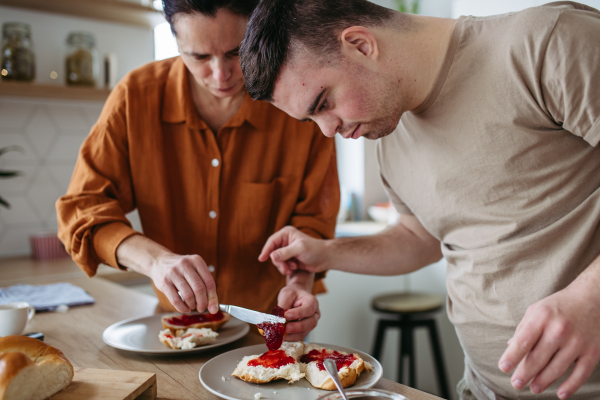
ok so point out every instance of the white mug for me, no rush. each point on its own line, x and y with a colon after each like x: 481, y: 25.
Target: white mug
x: 14, y: 317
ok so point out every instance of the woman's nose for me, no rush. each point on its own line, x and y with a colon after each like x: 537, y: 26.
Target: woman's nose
x: 221, y: 70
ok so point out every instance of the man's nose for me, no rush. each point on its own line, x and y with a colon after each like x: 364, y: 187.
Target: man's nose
x: 329, y: 125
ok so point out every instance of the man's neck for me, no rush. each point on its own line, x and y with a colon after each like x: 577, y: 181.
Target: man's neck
x: 416, y: 54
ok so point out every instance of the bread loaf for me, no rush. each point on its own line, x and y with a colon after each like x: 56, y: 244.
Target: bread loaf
x: 31, y: 369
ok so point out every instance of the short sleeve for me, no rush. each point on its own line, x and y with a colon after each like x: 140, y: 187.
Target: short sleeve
x: 570, y: 75
x: 391, y: 194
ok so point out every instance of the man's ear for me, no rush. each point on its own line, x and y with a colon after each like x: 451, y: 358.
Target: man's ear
x: 359, y: 41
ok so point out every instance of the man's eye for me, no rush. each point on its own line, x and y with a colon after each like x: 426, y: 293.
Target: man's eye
x: 323, y: 106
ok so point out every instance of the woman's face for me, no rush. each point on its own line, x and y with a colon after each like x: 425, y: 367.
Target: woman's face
x: 209, y: 48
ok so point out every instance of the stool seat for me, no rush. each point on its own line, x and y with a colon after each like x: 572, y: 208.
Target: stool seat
x: 407, y: 302
x: 410, y: 311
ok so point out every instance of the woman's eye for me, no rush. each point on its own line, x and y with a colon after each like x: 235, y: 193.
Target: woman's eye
x: 201, y: 58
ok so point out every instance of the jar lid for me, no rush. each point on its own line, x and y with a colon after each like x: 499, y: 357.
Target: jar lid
x: 81, y: 37
x: 16, y: 27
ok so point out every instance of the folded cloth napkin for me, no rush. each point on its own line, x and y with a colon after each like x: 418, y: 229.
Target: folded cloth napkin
x: 46, y: 297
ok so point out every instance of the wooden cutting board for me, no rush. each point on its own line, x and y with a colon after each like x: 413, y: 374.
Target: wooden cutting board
x: 105, y: 384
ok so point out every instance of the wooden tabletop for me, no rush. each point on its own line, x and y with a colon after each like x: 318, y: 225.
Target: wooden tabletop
x: 14, y: 270
x: 78, y: 333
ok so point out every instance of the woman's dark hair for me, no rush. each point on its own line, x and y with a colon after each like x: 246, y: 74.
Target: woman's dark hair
x: 277, y: 26
x: 207, y: 7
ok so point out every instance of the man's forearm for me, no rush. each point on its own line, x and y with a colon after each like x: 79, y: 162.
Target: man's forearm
x: 395, y: 251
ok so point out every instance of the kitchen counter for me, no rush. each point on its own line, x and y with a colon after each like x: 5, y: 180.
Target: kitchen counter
x: 78, y: 333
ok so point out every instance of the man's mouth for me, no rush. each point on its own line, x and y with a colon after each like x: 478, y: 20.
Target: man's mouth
x: 355, y: 134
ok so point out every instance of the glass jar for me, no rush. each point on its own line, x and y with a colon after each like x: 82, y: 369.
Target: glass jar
x: 18, y: 60
x: 82, y: 68
x: 364, y: 394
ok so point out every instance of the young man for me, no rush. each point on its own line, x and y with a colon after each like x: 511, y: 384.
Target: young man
x: 489, y: 130
x: 211, y: 172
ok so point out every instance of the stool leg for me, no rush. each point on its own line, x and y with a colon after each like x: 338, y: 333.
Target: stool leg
x: 410, y: 352
x: 379, y: 338
x: 439, y: 359
x: 403, y: 349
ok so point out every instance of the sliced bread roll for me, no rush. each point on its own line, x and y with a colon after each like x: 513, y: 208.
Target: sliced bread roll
x: 31, y: 369
x: 175, y: 322
x: 272, y: 365
x: 349, y: 366
x: 185, y: 339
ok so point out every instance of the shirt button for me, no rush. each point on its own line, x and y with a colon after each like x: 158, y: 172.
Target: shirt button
x: 212, y: 214
x: 215, y: 162
x: 211, y: 268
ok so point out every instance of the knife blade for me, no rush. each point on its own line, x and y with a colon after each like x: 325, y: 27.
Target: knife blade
x: 251, y: 316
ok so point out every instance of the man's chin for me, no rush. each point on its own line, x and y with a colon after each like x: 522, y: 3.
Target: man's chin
x: 377, y: 134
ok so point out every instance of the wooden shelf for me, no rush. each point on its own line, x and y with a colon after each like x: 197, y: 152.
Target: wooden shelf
x: 108, y: 10
x: 18, y: 89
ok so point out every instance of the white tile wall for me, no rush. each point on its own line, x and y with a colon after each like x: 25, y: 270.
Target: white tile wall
x: 50, y: 133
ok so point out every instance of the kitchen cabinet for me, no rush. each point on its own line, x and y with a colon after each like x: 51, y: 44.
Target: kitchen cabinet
x: 23, y: 89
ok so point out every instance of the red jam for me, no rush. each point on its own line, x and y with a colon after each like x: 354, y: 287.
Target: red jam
x: 272, y: 359
x: 341, y: 360
x: 168, y: 336
x: 189, y: 319
x: 273, y: 333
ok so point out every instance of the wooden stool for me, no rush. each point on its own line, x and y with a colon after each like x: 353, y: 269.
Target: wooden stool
x: 413, y: 310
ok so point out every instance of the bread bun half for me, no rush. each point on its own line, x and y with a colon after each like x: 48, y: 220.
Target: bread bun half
x: 31, y: 369
x: 214, y: 325
x: 259, y: 374
x: 347, y: 374
x: 187, y: 338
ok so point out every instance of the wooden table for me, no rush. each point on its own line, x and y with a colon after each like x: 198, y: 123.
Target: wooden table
x: 78, y: 333
x: 14, y: 270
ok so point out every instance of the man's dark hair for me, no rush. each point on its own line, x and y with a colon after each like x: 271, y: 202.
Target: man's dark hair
x: 209, y: 8
x: 278, y: 26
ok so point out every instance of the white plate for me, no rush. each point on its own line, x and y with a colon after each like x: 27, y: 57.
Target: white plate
x: 141, y: 335
x: 212, y: 374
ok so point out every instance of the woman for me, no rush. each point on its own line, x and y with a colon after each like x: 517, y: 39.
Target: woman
x: 211, y: 172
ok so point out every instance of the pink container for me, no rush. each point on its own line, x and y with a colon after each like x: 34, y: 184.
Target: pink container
x: 46, y: 246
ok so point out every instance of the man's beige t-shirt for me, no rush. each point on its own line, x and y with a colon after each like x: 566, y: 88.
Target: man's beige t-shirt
x: 501, y: 164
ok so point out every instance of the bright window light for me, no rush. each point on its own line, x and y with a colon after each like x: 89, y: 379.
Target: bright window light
x: 165, y: 45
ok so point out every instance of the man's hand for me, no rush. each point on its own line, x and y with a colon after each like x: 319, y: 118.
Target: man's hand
x: 291, y: 250
x: 555, y: 333
x: 171, y: 273
x: 303, y: 311
x: 188, y: 275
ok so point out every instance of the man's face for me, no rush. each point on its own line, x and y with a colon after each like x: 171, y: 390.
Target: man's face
x: 209, y: 48
x: 340, y: 96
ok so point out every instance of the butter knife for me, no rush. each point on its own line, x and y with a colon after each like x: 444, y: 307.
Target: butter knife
x: 251, y: 316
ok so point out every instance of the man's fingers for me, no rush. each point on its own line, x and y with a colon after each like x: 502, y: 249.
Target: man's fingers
x: 521, y: 344
x: 186, y: 291
x: 537, y: 358
x: 211, y: 300
x: 556, y: 368
x: 275, y: 241
x: 582, y: 371
x: 306, y: 308
x: 299, y: 329
x: 171, y: 292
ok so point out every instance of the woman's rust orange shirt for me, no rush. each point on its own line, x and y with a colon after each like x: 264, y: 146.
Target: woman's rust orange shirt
x: 219, y: 195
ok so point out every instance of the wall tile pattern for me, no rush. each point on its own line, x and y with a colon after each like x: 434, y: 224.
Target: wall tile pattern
x: 50, y: 134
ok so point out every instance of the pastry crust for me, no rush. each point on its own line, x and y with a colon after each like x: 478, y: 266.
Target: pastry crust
x: 215, y: 325
x: 31, y: 369
x: 197, y: 338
